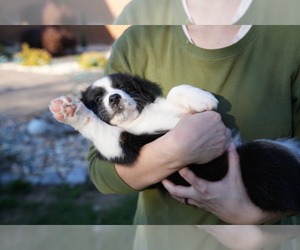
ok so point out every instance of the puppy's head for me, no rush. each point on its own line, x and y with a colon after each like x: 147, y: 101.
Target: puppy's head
x: 119, y: 99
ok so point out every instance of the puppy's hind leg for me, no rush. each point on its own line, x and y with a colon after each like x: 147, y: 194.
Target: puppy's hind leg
x: 271, y: 173
x: 291, y: 144
x: 188, y: 99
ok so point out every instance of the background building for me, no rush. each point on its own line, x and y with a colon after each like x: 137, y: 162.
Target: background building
x: 55, y: 12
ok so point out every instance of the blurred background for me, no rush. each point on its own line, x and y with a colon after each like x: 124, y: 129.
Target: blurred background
x: 106, y: 12
x: 43, y: 168
x: 56, y: 12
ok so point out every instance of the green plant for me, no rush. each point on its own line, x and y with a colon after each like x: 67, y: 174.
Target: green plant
x: 65, y: 213
x: 9, y: 203
x: 66, y: 191
x: 5, y: 55
x: 24, y: 204
x: 32, y: 56
x: 18, y: 187
x: 121, y: 214
x: 92, y: 59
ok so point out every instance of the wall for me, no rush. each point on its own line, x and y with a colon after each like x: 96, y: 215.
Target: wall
x: 60, y: 11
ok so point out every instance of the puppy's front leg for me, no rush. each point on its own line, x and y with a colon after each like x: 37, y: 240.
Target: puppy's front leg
x: 104, y: 136
x: 71, y: 112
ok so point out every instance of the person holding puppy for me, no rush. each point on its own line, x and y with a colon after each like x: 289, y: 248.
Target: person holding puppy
x: 259, y: 96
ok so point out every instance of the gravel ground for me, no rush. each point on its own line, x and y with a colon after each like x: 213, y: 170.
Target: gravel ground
x: 54, y: 154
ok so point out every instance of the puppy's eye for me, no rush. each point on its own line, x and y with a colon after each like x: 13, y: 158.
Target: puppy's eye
x: 123, y: 88
x: 98, y: 99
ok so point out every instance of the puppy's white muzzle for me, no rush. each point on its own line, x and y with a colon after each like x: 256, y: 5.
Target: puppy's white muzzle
x: 121, y: 107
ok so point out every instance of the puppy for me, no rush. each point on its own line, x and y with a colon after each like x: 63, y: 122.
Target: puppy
x: 120, y: 113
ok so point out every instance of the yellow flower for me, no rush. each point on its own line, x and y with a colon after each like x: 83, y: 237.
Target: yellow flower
x: 92, y: 59
x: 32, y: 56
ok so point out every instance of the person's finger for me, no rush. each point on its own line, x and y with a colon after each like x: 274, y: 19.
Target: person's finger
x: 228, y: 134
x: 180, y: 199
x: 199, y: 184
x: 233, y: 160
x: 182, y: 194
x: 177, y: 190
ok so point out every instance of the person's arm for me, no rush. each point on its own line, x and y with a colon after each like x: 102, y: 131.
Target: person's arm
x: 127, y: 16
x: 197, y: 138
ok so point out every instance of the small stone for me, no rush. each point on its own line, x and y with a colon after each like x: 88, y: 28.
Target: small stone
x: 7, y: 178
x: 37, y: 127
x: 51, y: 178
x: 77, y: 175
x: 33, y: 179
x: 97, y: 208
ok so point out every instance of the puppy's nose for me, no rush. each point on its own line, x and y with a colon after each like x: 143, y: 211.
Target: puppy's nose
x: 114, y: 99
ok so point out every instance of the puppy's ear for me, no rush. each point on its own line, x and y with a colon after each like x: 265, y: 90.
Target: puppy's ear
x: 86, y: 98
x: 147, y: 89
x: 84, y: 95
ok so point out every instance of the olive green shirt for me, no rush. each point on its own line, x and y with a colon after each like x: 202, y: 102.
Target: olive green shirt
x: 152, y: 12
x: 256, y: 81
x: 171, y: 12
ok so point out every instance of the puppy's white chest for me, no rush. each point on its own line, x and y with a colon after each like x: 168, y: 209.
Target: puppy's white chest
x: 155, y: 117
x: 164, y: 113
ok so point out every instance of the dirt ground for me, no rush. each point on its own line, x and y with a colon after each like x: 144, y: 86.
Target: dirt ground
x: 24, y: 94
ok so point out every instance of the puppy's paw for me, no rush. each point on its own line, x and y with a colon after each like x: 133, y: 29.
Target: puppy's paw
x: 189, y: 98
x: 62, y: 108
x: 69, y: 111
x: 201, y: 100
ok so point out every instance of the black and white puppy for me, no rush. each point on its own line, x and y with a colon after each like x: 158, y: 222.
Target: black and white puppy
x: 120, y: 113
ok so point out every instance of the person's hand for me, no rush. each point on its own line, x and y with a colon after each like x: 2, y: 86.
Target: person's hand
x: 198, y: 138
x: 227, y: 199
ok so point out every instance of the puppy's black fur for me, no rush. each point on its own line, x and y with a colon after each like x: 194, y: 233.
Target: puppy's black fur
x: 270, y: 169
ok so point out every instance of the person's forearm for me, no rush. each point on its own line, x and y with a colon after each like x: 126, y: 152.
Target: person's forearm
x: 197, y: 138
x: 152, y: 166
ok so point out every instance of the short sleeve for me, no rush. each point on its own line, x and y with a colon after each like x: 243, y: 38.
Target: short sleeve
x: 105, y: 177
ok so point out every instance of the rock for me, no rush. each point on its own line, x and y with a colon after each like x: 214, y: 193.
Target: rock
x: 51, y: 178
x: 37, y: 127
x: 77, y: 175
x: 97, y: 208
x: 33, y: 179
x: 50, y: 158
x: 7, y: 178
